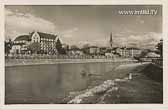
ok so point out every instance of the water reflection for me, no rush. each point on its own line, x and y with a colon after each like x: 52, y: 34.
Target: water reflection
x: 48, y: 83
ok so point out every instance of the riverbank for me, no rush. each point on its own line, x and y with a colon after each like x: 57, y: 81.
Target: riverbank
x: 50, y: 83
x: 84, y: 83
x: 18, y: 62
x: 131, y: 85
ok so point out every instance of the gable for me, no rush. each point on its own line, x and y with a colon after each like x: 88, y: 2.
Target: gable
x: 35, y: 37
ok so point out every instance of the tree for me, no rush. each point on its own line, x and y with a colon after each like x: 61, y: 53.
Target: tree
x: 59, y: 46
x: 85, y: 48
x: 8, y: 46
x: 63, y: 51
x: 144, y: 53
x: 159, y: 47
x: 34, y: 47
x: 67, y: 48
x: 74, y: 47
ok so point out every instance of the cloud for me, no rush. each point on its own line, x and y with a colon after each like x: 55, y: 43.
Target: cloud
x: 101, y: 42
x: 140, y: 40
x: 19, y: 23
x: 70, y: 30
x: 139, y: 20
x: 69, y: 33
x: 98, y: 42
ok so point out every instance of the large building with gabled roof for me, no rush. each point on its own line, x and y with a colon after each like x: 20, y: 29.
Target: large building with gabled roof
x: 47, y: 42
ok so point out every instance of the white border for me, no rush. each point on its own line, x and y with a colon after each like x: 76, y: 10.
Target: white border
x: 163, y: 106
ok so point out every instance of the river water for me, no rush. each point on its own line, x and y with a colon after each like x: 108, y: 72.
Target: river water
x: 49, y: 83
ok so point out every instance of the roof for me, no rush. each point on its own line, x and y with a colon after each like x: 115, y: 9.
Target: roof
x: 134, y: 48
x: 152, y: 54
x: 130, y: 48
x: 75, y: 49
x: 42, y: 35
x: 93, y: 47
x: 115, y: 48
x: 103, y: 47
x: 23, y: 37
x: 46, y: 35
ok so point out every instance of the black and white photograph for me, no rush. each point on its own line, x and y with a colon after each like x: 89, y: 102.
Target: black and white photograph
x: 83, y: 54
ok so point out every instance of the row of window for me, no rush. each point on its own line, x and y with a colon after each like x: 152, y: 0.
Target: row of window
x: 44, y: 48
x: 21, y: 41
x: 44, y: 39
x: 49, y: 44
x: 42, y: 42
x: 35, y: 39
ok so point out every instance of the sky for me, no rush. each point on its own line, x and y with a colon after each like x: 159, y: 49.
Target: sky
x: 93, y: 24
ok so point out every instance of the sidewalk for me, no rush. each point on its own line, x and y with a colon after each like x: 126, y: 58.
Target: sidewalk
x: 19, y: 62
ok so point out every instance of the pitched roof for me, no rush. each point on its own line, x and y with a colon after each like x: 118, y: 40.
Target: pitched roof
x: 133, y: 48
x: 23, y: 37
x: 130, y: 48
x: 42, y: 35
x: 93, y: 47
x: 46, y: 35
x: 152, y: 54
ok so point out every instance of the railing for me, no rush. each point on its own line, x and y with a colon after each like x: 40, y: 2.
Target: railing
x: 57, y: 57
x: 148, y: 59
x: 158, y: 61
x: 54, y: 59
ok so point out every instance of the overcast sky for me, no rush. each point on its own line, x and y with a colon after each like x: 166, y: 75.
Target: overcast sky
x: 86, y: 24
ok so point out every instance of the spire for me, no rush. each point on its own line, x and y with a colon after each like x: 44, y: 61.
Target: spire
x: 111, y: 40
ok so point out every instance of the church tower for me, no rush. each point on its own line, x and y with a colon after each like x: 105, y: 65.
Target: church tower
x: 111, y: 41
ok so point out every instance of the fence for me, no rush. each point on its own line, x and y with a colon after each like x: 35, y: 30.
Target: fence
x: 158, y: 61
x: 57, y: 57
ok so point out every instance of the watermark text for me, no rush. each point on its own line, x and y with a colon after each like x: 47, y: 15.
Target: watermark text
x: 138, y: 12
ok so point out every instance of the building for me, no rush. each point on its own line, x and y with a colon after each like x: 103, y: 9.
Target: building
x: 132, y: 51
x: 111, y: 41
x: 46, y: 41
x: 75, y: 52
x: 103, y: 50
x: 20, y: 44
x: 127, y: 52
x: 117, y: 51
x: 94, y: 50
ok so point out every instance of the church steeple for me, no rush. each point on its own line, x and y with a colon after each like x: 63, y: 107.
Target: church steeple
x: 111, y: 40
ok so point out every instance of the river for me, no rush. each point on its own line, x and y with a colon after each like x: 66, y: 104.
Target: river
x: 48, y: 83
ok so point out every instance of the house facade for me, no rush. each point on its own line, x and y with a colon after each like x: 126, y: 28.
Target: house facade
x: 131, y: 52
x: 94, y: 50
x: 46, y: 41
x: 20, y: 44
x: 128, y: 52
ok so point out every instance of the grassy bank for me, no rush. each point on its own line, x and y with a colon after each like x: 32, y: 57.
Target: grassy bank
x: 154, y: 72
x: 141, y: 88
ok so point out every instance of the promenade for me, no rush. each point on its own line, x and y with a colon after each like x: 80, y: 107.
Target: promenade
x: 15, y: 62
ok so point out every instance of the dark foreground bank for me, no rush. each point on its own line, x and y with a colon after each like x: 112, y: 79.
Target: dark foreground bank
x: 142, y: 84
